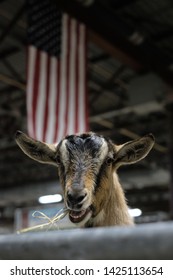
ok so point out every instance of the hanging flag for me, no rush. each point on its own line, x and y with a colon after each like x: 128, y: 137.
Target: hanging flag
x: 56, y: 73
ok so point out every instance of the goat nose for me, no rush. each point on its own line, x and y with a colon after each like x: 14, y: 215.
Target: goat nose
x: 75, y: 198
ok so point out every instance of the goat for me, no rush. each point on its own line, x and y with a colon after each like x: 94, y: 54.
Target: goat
x: 87, y: 165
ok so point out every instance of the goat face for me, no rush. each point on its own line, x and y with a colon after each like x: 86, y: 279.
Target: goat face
x: 83, y: 160
x: 85, y: 164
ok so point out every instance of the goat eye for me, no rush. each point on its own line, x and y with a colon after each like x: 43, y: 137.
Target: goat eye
x: 109, y: 161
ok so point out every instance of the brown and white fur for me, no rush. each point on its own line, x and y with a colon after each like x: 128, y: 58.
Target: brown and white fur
x: 87, y: 165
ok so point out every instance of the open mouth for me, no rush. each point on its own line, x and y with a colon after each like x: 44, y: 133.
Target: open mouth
x: 78, y: 216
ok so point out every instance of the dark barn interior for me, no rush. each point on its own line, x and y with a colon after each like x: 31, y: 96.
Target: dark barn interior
x: 130, y: 65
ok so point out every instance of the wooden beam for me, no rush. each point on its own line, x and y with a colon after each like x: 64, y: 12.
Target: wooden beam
x: 7, y: 80
x: 140, y: 109
x: 132, y: 135
x: 144, y: 242
x: 114, y: 51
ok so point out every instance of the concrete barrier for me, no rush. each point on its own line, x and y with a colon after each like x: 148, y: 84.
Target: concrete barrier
x: 149, y: 241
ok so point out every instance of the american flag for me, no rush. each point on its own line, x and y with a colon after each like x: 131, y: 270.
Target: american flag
x: 56, y: 73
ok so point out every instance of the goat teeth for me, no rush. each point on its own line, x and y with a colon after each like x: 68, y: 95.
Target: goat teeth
x: 77, y: 214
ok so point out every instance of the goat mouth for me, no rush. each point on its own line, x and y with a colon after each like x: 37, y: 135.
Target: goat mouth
x: 78, y: 216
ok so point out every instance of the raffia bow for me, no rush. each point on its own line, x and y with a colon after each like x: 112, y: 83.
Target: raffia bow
x: 51, y: 221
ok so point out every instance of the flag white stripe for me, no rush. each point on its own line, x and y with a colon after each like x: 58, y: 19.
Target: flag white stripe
x: 81, y: 80
x: 32, y: 51
x: 72, y: 82
x: 52, y: 101
x: 41, y: 96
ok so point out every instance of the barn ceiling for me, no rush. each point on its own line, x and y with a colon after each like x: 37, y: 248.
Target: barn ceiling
x: 130, y: 64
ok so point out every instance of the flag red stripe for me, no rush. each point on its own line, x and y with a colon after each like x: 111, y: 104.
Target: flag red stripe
x: 41, y: 100
x: 29, y: 116
x: 72, y: 79
x: 85, y: 86
x: 76, y: 66
x: 30, y: 77
x: 81, y: 85
x: 51, y: 122
x: 35, y: 91
x: 46, y: 112
x: 57, y: 103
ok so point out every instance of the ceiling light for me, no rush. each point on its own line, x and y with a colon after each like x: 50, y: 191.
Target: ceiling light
x: 136, y: 212
x: 50, y: 198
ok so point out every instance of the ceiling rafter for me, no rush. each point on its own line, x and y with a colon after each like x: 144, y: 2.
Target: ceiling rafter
x: 12, y: 23
x: 120, y: 34
x: 139, y: 109
x: 9, y: 81
x: 13, y: 71
x: 6, y: 89
x: 107, y: 85
x: 118, y: 4
x: 100, y: 57
x: 8, y: 52
x: 148, y: 20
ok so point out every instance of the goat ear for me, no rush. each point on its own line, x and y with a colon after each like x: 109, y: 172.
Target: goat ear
x: 36, y: 150
x: 134, y: 151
